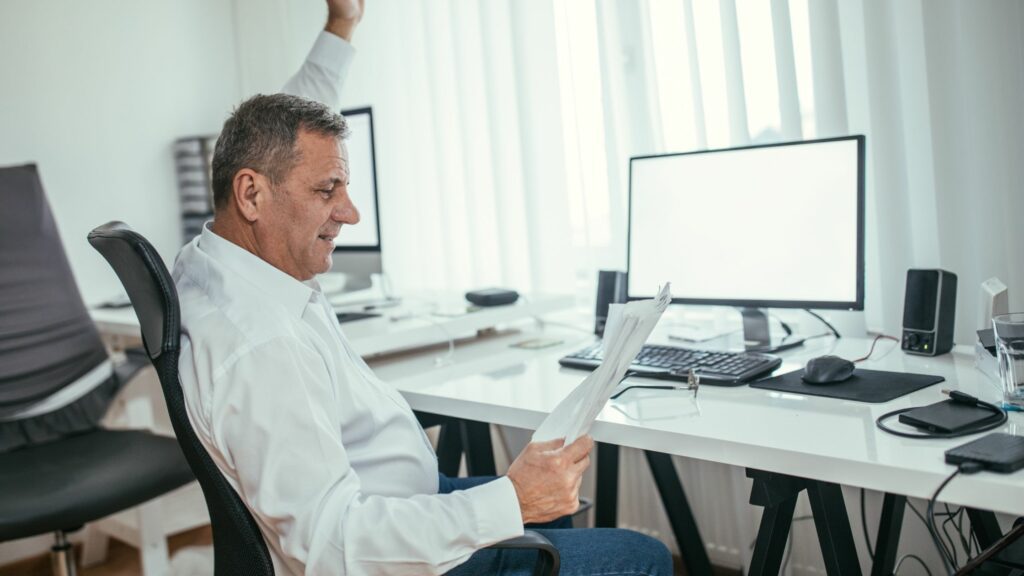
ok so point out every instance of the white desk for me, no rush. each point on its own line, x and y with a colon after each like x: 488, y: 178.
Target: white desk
x: 422, y: 320
x: 821, y: 439
x: 818, y: 438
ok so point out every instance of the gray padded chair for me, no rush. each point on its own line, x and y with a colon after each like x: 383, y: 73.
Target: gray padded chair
x: 239, y: 548
x: 58, y: 468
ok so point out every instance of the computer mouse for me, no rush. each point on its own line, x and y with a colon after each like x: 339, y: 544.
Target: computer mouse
x: 827, y: 370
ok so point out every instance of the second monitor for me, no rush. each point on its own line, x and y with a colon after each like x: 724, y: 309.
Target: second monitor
x: 772, y: 226
x: 357, y: 250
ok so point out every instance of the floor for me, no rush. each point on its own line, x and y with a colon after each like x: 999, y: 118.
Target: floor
x: 123, y: 560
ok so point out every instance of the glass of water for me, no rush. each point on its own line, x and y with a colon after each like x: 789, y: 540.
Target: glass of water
x: 1009, y: 329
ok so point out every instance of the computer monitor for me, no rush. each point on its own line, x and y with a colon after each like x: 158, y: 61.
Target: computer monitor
x: 357, y: 250
x: 771, y: 226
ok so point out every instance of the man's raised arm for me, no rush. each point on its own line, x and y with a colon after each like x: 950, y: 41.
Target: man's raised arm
x: 324, y: 70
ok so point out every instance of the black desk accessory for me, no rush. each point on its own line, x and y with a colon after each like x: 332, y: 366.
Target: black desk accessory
x: 997, y: 452
x: 353, y: 316
x: 492, y: 297
x: 873, y: 386
x: 611, y: 289
x: 987, y: 337
x: 949, y: 417
x: 827, y: 370
x: 961, y: 415
x: 929, y: 308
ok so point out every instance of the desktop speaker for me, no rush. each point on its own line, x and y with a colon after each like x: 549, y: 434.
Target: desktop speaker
x: 929, y: 309
x: 611, y: 289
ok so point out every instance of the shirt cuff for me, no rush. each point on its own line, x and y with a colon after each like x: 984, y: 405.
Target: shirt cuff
x: 496, y: 507
x: 331, y: 52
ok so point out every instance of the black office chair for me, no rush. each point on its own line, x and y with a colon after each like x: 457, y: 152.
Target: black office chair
x: 58, y: 468
x: 238, y: 544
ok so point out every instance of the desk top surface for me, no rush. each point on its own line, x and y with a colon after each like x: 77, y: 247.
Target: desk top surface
x: 488, y: 379
x: 813, y: 437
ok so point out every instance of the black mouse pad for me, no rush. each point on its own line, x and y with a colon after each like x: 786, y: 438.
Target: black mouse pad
x: 864, y: 386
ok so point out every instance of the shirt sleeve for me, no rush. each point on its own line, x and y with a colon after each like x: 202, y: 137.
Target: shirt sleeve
x: 322, y: 74
x: 281, y: 435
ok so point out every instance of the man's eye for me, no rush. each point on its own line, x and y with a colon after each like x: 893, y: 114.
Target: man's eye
x: 326, y: 193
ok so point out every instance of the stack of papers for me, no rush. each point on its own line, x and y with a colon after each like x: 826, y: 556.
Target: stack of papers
x: 625, y: 333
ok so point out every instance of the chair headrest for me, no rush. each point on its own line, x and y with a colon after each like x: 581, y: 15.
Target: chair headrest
x: 147, y: 281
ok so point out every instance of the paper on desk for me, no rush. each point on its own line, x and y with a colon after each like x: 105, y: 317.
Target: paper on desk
x: 625, y: 332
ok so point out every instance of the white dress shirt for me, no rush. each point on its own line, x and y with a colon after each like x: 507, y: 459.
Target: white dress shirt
x: 329, y: 459
x: 323, y: 72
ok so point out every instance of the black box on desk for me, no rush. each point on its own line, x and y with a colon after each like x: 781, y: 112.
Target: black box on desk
x: 929, y: 311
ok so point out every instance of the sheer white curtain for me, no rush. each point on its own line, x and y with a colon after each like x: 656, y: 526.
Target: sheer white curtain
x: 504, y: 127
x: 583, y: 86
x: 470, y: 127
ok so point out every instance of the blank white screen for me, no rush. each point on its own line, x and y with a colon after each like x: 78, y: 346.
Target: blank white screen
x: 773, y: 223
x: 361, y: 187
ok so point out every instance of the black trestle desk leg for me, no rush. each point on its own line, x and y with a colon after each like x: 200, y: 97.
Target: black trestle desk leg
x: 449, y: 441
x: 476, y: 441
x: 833, y: 525
x: 777, y: 494
x: 607, y: 486
x: 985, y: 526
x: 680, y: 515
x: 887, y: 542
x: 449, y: 449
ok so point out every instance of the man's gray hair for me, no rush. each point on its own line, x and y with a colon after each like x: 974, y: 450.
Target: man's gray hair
x: 260, y: 135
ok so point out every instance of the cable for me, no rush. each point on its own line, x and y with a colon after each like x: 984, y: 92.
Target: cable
x: 949, y: 539
x: 825, y: 322
x: 948, y: 559
x: 899, y: 563
x: 872, y: 350
x: 918, y: 514
x: 957, y: 397
x: 864, y: 525
x: 782, y: 323
x: 448, y: 358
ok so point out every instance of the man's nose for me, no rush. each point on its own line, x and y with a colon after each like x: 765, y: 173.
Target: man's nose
x: 346, y: 212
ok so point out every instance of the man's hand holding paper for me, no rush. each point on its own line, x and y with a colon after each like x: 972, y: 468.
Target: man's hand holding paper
x: 628, y: 327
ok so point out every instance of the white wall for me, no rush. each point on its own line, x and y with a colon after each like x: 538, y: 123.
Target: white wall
x: 95, y: 93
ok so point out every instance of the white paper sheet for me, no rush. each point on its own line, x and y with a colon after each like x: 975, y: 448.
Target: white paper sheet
x: 625, y: 332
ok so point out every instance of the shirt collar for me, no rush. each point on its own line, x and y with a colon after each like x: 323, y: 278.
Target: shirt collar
x: 283, y: 289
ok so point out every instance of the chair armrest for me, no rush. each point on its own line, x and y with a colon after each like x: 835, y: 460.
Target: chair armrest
x: 585, y: 504
x: 548, y: 562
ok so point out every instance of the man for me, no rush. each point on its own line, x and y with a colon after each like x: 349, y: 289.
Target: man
x: 329, y: 459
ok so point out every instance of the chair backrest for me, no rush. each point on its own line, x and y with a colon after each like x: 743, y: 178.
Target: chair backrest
x: 239, y: 548
x: 47, y: 339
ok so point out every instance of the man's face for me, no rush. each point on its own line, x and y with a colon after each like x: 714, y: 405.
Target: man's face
x: 308, y: 208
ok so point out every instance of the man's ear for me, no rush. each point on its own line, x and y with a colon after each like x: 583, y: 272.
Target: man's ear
x: 251, y: 191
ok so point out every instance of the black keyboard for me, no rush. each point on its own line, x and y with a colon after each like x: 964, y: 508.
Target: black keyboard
x: 674, y: 363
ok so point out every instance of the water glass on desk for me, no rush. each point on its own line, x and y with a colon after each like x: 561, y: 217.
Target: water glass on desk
x: 1009, y: 332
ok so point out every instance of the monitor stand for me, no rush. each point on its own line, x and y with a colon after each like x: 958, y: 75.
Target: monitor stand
x: 757, y: 333
x: 342, y: 296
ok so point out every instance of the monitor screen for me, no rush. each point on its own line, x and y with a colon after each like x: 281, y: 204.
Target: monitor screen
x: 362, y: 186
x: 780, y: 225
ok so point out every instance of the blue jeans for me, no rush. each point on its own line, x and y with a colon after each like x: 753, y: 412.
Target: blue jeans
x: 583, y: 551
